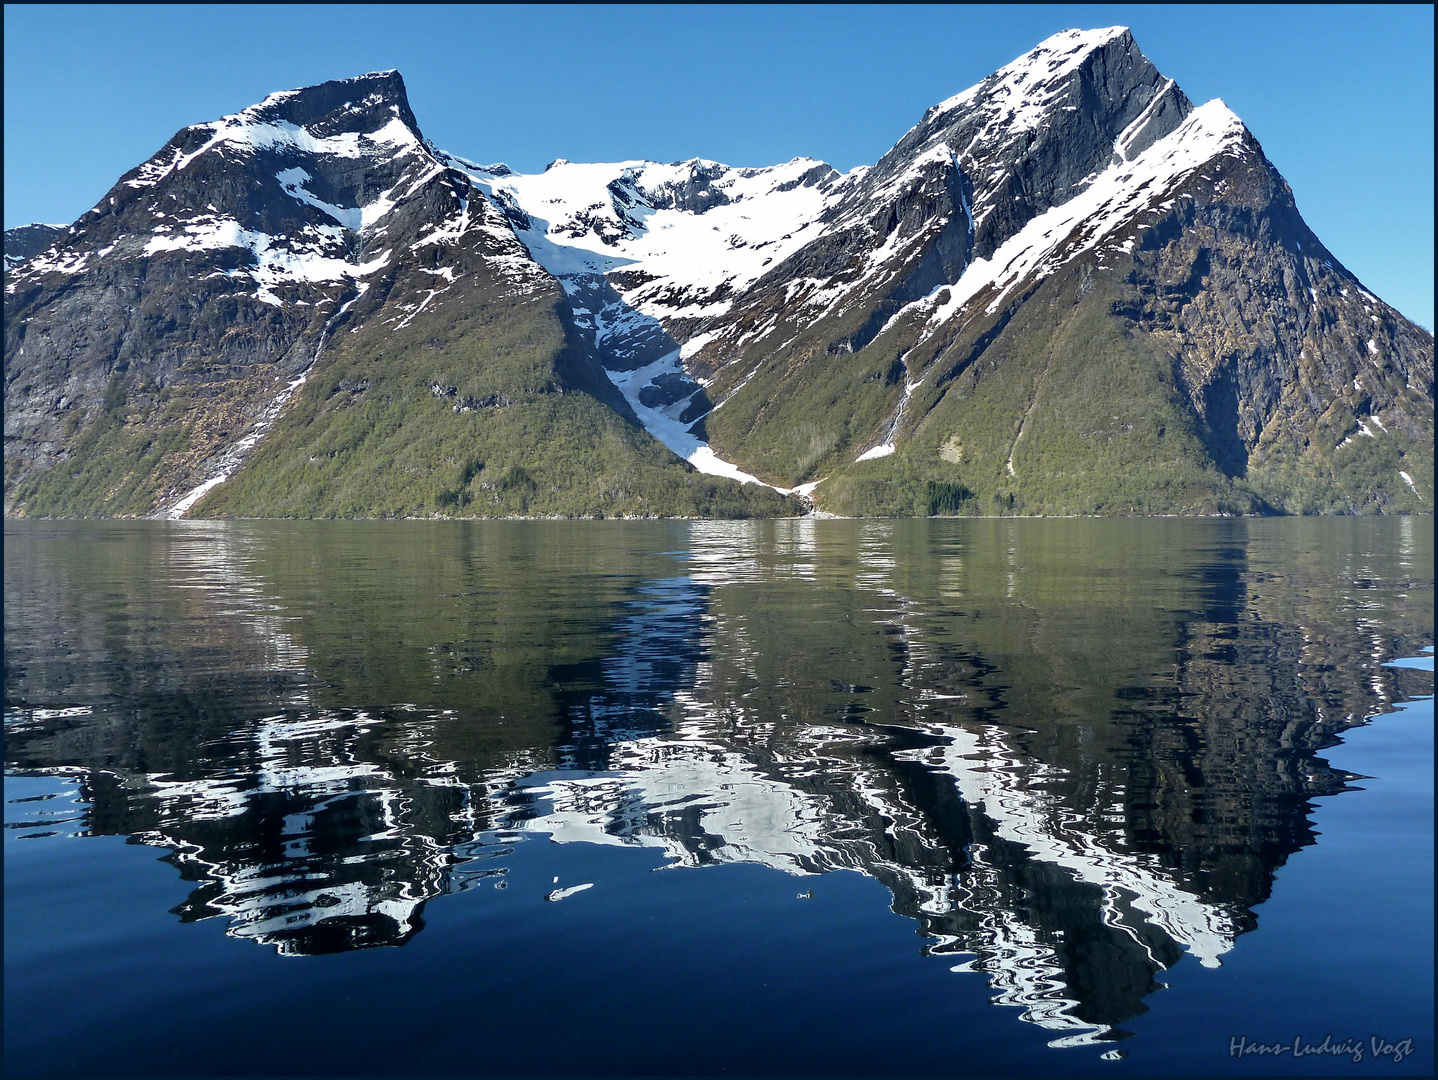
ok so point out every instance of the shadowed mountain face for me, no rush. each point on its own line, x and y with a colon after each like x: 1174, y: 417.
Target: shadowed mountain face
x: 1071, y: 751
x: 1066, y: 290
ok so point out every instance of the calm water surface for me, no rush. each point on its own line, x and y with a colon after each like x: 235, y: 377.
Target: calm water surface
x: 804, y: 796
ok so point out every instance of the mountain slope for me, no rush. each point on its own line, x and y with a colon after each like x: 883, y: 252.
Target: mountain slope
x: 1178, y: 341
x: 304, y: 298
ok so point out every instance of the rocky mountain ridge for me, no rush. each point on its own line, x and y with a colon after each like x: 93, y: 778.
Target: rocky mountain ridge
x: 1065, y: 290
x: 1077, y: 161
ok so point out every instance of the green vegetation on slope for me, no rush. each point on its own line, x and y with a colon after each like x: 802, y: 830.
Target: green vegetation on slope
x: 1066, y: 411
x: 1068, y: 408
x: 1360, y: 476
x: 132, y: 451
x: 470, y: 412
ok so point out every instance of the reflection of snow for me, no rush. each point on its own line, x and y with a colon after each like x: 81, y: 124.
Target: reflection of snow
x: 362, y: 823
x: 708, y: 793
x: 563, y: 894
x: 700, y: 801
x: 1011, y: 791
x: 276, y: 908
x: 308, y: 764
x: 740, y: 815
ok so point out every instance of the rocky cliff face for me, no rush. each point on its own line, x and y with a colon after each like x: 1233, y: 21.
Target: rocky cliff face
x: 1065, y: 290
x: 207, y: 275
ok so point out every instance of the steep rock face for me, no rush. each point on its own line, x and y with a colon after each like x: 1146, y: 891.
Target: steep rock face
x: 1207, y: 355
x: 980, y: 166
x: 208, y: 274
x: 1286, y: 360
x: 167, y: 333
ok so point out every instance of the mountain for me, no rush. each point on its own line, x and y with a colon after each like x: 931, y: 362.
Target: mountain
x: 1066, y: 290
x: 301, y: 306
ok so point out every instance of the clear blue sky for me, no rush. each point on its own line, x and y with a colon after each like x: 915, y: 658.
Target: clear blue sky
x: 1340, y: 97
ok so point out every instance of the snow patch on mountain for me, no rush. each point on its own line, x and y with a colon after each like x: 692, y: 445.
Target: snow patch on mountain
x: 597, y: 218
x: 324, y: 251
x: 1119, y: 195
x: 664, y: 425
x: 888, y: 444
x: 1015, y: 101
x: 970, y: 144
x: 24, y: 242
x: 277, y: 261
x: 1127, y: 136
x: 245, y: 132
x: 236, y: 454
x: 293, y: 182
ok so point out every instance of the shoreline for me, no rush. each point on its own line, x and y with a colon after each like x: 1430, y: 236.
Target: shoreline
x: 820, y: 515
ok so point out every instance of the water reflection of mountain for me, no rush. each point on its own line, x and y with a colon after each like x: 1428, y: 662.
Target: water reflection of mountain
x: 1073, y: 751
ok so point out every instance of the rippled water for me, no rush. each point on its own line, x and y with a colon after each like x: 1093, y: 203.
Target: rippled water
x: 792, y: 796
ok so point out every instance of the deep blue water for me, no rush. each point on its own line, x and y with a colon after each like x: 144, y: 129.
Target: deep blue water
x: 1007, y: 797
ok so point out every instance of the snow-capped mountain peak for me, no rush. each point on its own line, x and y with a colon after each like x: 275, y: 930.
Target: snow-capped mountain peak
x: 364, y: 117
x: 24, y: 242
x: 313, y: 207
x: 1115, y: 201
x: 322, y: 168
x: 1025, y: 83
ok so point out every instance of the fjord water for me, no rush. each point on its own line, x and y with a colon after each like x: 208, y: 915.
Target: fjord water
x: 801, y: 796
